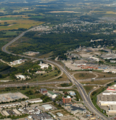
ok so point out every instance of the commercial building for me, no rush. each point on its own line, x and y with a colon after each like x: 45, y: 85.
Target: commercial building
x: 47, y: 107
x: 43, y: 91
x: 51, y: 95
x: 66, y: 100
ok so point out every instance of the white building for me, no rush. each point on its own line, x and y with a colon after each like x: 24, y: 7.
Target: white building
x: 47, y: 107
x: 16, y: 62
x: 21, y: 77
x: 35, y: 100
x: 59, y: 114
x: 43, y: 65
x: 51, y: 95
x: 94, y: 58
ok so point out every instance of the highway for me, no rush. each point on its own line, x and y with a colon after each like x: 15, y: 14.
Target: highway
x: 85, y: 97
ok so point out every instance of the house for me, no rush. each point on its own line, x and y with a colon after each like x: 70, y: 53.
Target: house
x: 43, y: 91
x: 16, y: 62
x: 40, y: 72
x: 51, y: 95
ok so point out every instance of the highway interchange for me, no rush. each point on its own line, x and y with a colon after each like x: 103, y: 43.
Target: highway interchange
x: 86, y: 99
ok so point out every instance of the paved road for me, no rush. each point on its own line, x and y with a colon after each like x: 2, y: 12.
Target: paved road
x: 79, y: 86
x: 31, y: 84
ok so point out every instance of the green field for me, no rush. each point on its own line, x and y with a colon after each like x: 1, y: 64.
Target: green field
x: 8, y: 18
x: 10, y: 33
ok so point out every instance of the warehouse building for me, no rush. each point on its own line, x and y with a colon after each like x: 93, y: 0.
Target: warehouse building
x: 107, y: 98
x: 47, y: 107
x: 34, y: 100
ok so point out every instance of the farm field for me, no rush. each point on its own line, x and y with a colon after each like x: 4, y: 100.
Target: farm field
x: 16, y: 24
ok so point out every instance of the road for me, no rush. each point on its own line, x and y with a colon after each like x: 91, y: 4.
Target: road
x: 85, y: 97
x: 31, y: 84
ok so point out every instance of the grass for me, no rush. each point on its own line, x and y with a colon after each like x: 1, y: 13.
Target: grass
x: 104, y: 75
x: 94, y: 98
x: 101, y: 82
x: 14, y: 16
x: 88, y: 88
x: 64, y: 112
x: 8, y: 18
x: 16, y: 24
x: 84, y: 75
x: 10, y: 33
x: 46, y: 55
x: 62, y: 78
x: 46, y: 76
x: 65, y: 85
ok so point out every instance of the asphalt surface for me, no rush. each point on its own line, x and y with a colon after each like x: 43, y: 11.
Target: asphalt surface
x: 85, y: 97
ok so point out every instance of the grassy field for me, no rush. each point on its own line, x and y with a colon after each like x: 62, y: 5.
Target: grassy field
x: 8, y: 18
x: 101, y: 82
x: 10, y: 33
x: 16, y: 24
x: 62, y: 78
x: 103, y: 75
x: 88, y: 88
x: 84, y: 75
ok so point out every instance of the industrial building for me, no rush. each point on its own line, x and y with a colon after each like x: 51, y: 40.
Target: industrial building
x: 47, y: 107
x: 75, y: 109
x: 59, y: 114
x: 34, y: 100
x: 107, y: 100
x: 41, y: 116
x: 8, y: 97
x: 10, y: 105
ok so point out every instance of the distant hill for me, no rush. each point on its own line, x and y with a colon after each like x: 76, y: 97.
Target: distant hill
x: 69, y: 1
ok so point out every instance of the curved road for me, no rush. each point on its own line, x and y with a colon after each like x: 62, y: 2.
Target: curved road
x: 85, y: 97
